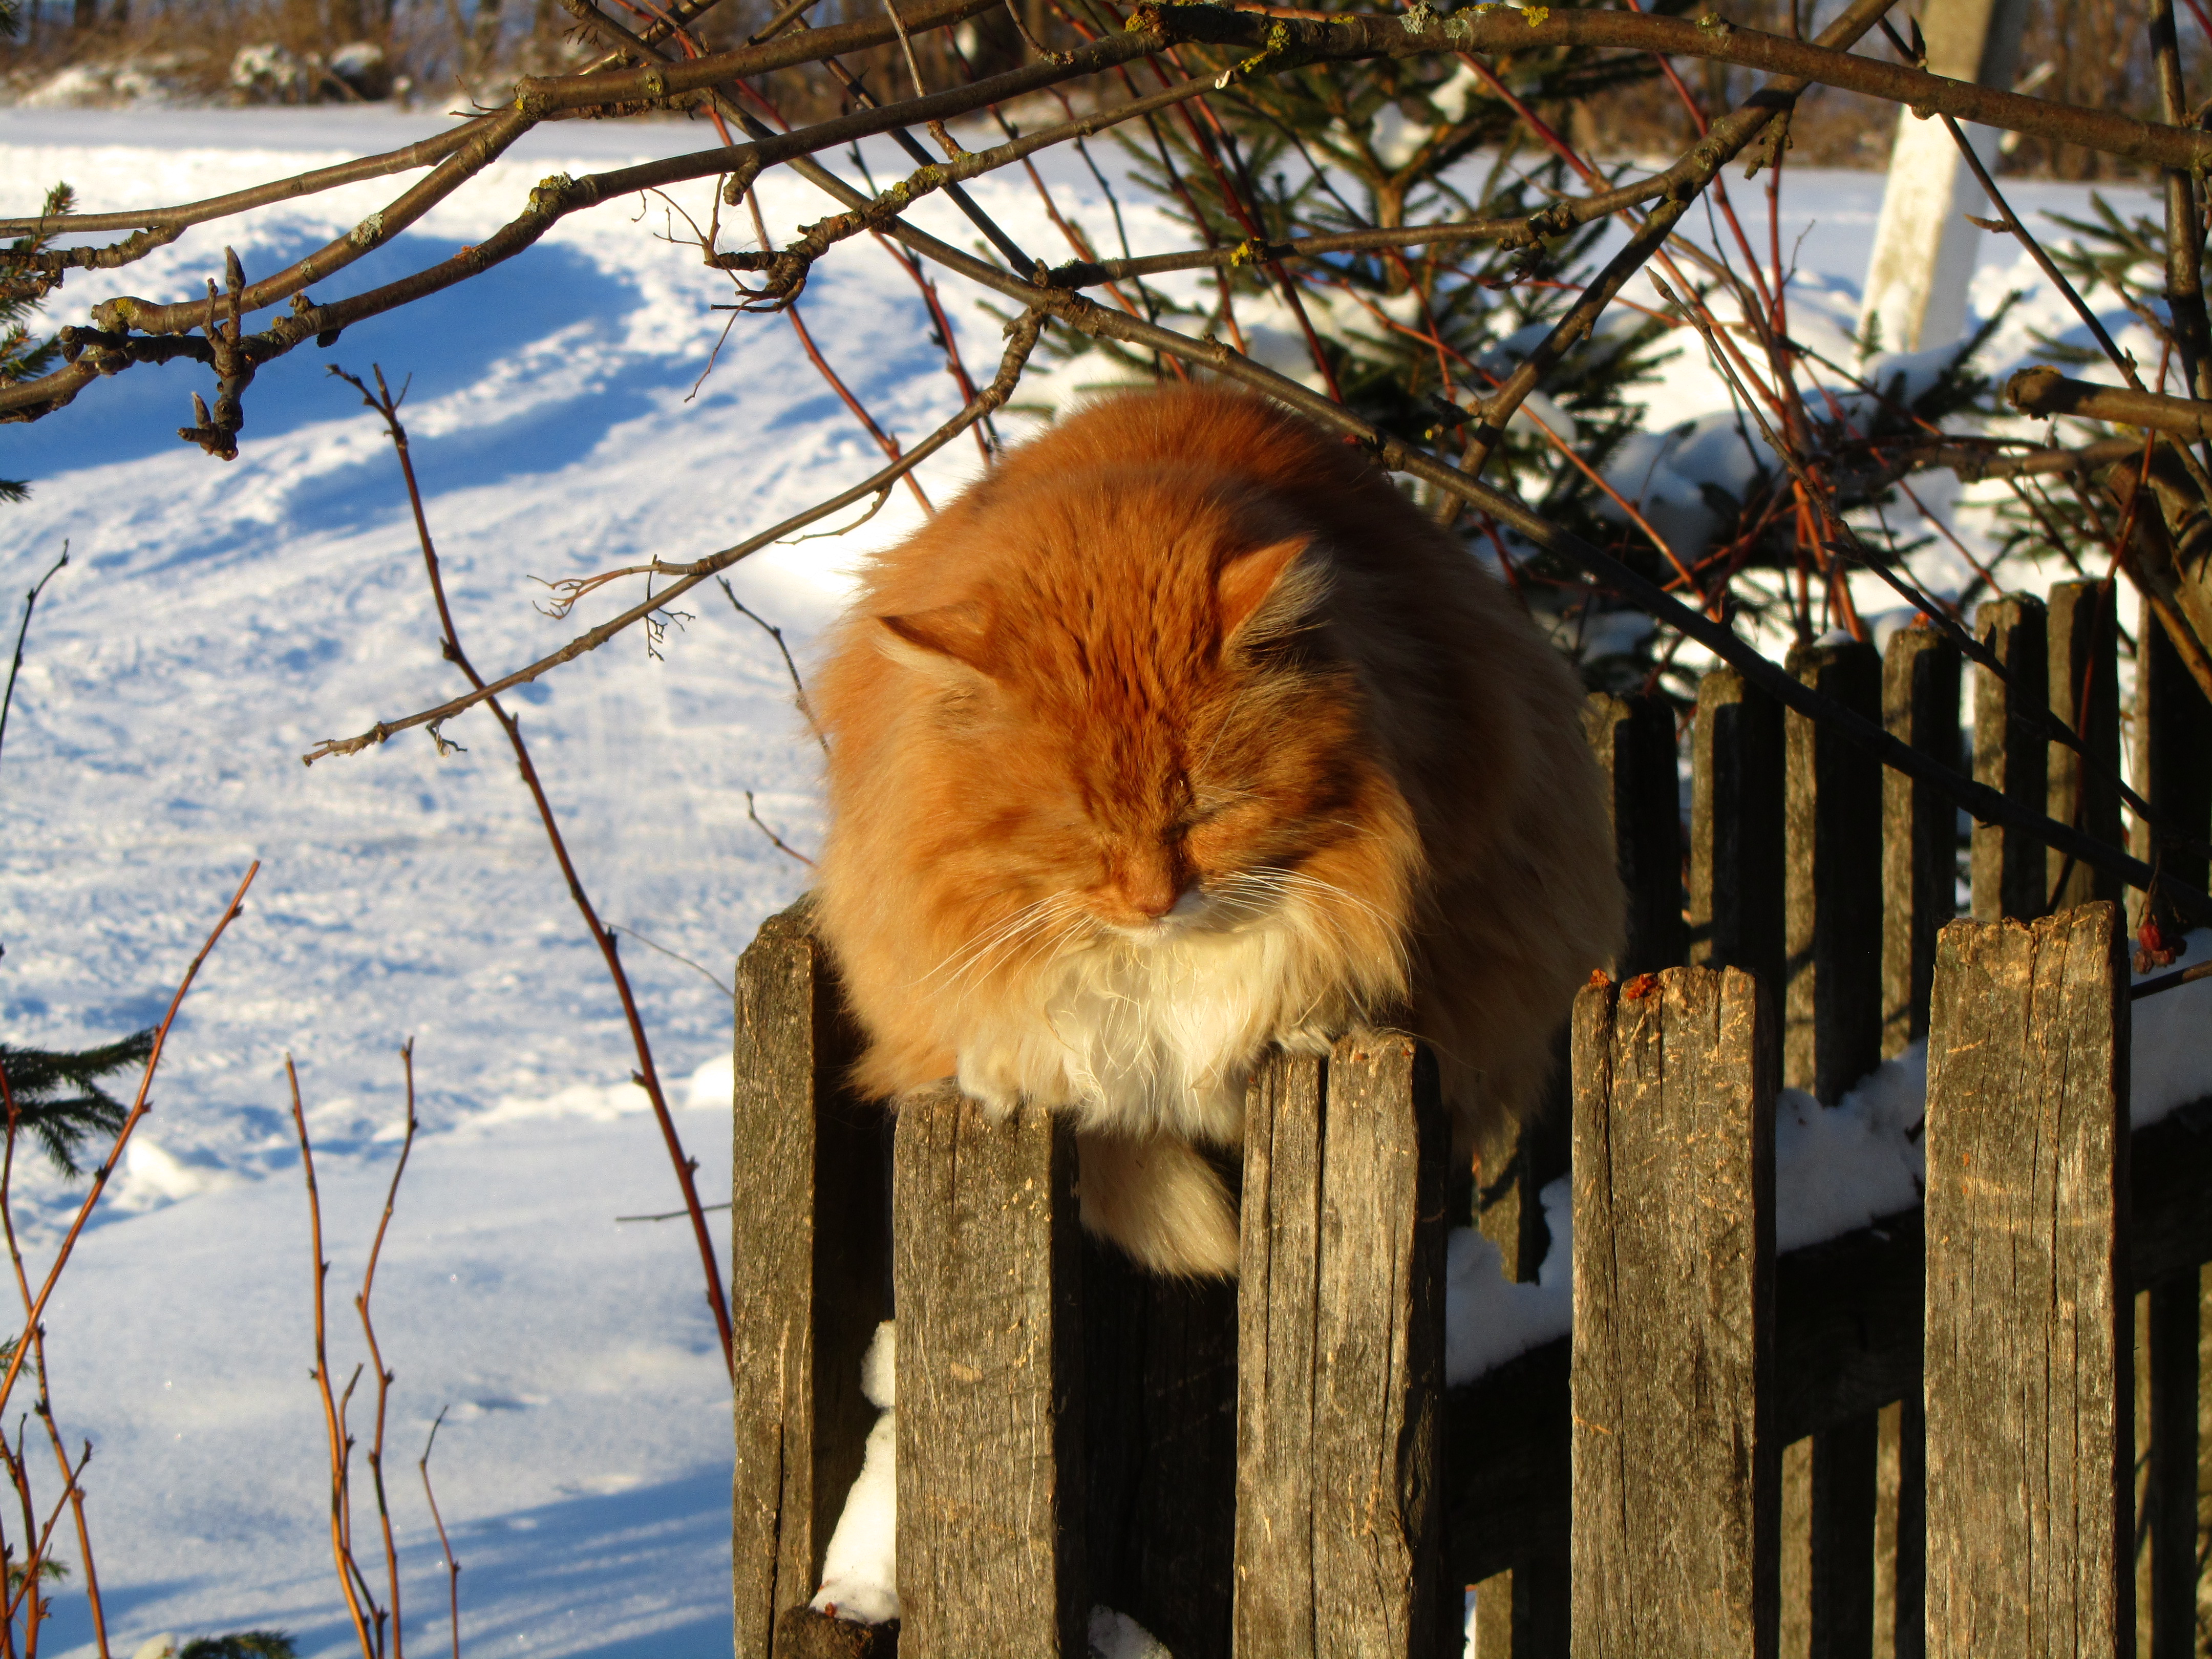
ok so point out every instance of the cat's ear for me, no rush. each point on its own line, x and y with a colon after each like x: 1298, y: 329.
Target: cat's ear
x: 949, y: 633
x: 1269, y: 585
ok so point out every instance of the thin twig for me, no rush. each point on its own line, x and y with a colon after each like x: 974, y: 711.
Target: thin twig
x: 1023, y: 341
x: 781, y: 846
x: 666, y: 1215
x: 35, y: 1333
x: 2172, y: 981
x: 453, y: 1567
x: 340, y: 1442
x: 798, y: 686
x: 376, y: 1353
x: 30, y: 600
x: 650, y: 944
x: 648, y: 1075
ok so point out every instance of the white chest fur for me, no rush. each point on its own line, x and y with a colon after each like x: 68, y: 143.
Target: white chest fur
x: 1141, y: 1036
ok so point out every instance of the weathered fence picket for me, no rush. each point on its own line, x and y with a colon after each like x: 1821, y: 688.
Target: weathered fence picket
x: 1675, y: 1472
x: 988, y: 1267
x: 1832, y: 1038
x: 1919, y: 829
x: 1735, y: 918
x: 1633, y: 739
x: 1831, y: 906
x: 2166, y: 1447
x: 2174, y: 735
x: 1340, y: 1357
x: 809, y: 1279
x: 1900, y: 1539
x: 2011, y: 756
x: 2030, y: 1327
x: 1818, y: 1454
x: 1159, y: 1413
x: 2083, y: 681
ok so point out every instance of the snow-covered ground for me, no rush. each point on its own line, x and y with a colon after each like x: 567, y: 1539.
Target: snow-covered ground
x: 215, y: 621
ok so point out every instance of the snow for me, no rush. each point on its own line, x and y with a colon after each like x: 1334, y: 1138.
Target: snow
x: 860, y: 1571
x: 2170, y: 1063
x: 1488, y: 1318
x: 216, y: 620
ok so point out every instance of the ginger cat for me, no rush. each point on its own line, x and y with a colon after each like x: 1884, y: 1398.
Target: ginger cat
x: 1180, y: 734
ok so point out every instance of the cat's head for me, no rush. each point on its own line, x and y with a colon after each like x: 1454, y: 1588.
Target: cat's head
x: 1136, y: 701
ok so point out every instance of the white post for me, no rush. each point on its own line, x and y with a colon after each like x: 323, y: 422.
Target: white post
x: 1925, y: 250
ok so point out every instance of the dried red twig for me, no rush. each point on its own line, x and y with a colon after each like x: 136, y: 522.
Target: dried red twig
x: 1023, y: 336
x: 648, y: 1075
x: 35, y: 1333
x: 359, y: 1607
x: 453, y: 1567
x: 376, y: 1354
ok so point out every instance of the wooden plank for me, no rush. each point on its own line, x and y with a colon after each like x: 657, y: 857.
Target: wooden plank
x: 2029, y: 1397
x: 988, y: 1266
x: 2171, y: 1172
x: 2008, y: 878
x: 1634, y: 738
x: 2173, y: 735
x: 1379, y: 1350
x: 1513, y: 1164
x: 2169, y: 1357
x: 1521, y: 1611
x: 1159, y: 1387
x: 1840, y: 1594
x: 1279, y: 1269
x: 808, y: 1272
x: 1832, y: 1038
x: 1674, y: 1464
x: 1831, y: 1018
x: 1828, y: 1539
x: 1525, y: 1610
x: 1341, y: 1320
x: 1507, y: 1473
x: 1919, y: 839
x: 2084, y: 686
x: 1794, y: 1560
x: 1736, y: 828
x: 1901, y: 1534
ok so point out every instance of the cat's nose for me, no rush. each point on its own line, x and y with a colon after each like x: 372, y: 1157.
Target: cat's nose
x: 1152, y: 894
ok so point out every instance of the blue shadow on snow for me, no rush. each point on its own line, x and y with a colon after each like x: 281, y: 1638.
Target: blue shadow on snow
x: 445, y: 341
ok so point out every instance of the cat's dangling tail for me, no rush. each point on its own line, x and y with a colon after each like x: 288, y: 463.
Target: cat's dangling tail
x: 1161, y: 1201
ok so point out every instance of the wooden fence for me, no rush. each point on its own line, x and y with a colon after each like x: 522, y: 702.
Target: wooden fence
x: 1970, y: 1428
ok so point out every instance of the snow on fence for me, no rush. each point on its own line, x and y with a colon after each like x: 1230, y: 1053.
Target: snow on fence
x: 1922, y: 1436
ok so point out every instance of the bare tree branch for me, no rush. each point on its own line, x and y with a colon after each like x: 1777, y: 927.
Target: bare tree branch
x: 1024, y: 340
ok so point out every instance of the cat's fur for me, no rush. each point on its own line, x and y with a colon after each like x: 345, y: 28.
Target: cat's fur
x: 1180, y: 734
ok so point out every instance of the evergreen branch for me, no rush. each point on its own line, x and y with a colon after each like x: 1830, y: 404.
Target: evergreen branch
x: 139, y: 1109
x: 58, y: 1098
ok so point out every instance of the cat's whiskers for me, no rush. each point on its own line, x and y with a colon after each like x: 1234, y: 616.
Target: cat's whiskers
x: 1325, y: 902
x: 1077, y: 918
x: 1031, y: 924
x: 957, y: 962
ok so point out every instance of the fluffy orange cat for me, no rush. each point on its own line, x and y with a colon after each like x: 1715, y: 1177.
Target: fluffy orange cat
x: 1180, y: 734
